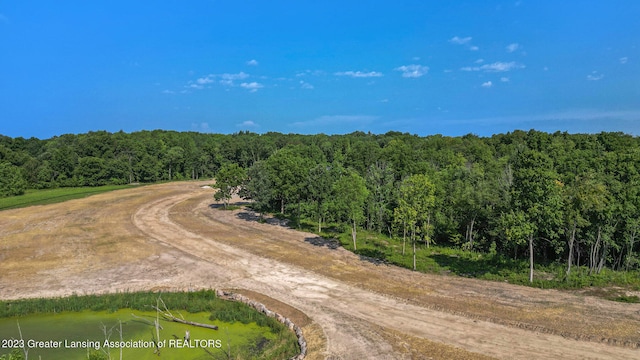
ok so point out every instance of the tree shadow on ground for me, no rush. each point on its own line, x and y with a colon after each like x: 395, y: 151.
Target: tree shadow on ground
x: 467, y: 267
x: 233, y: 205
x: 373, y: 256
x: 253, y: 216
x: 319, y: 241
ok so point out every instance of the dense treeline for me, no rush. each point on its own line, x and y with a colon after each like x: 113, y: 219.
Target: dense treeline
x: 569, y: 198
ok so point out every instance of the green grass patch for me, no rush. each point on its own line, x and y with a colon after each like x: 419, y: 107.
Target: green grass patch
x: 379, y: 248
x: 52, y: 196
x: 243, y: 332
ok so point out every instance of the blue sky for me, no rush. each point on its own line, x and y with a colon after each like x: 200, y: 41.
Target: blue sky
x: 424, y: 67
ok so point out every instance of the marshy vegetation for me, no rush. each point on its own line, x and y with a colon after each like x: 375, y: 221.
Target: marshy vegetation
x: 243, y: 333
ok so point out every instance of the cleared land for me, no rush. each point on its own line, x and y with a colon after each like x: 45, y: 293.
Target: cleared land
x: 172, y: 236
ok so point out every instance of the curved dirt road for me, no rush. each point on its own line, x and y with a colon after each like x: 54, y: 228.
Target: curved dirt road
x: 168, y: 236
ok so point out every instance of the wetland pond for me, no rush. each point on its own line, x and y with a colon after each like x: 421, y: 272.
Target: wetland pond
x: 98, y: 334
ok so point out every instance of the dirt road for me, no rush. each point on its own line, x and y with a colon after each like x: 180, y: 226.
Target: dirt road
x: 170, y: 237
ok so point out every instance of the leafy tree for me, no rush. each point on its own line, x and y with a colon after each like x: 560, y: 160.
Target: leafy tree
x: 288, y: 174
x: 350, y: 192
x: 380, y: 182
x: 416, y: 201
x: 584, y: 198
x: 257, y: 187
x: 228, y: 181
x: 173, y: 159
x: 536, y: 201
x: 319, y: 185
x: 11, y: 181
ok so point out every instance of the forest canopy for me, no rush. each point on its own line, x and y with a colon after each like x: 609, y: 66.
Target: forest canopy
x: 565, y: 198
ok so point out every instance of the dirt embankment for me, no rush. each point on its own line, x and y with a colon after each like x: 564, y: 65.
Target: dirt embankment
x: 169, y: 237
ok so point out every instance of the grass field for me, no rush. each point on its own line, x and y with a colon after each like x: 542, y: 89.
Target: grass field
x: 443, y: 260
x: 51, y: 196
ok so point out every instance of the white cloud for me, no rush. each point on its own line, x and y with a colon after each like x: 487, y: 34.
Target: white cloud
x: 239, y: 76
x: 487, y: 84
x: 252, y: 62
x: 624, y: 60
x: 495, y: 67
x: 168, y: 92
x: 359, y: 74
x: 504, y: 79
x: 474, y: 48
x: 195, y: 86
x: 252, y: 86
x: 413, y: 70
x: 595, y: 76
x: 205, y: 80
x: 460, y: 41
x: 247, y: 123
x: 306, y: 85
x: 512, y: 47
x: 479, y: 61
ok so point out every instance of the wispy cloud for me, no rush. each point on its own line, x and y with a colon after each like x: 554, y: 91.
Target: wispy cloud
x: 595, y: 76
x: 202, y: 127
x: 239, y: 76
x: 306, y: 85
x: 168, y: 91
x: 495, y: 67
x: 570, y: 116
x: 413, y: 70
x: 205, y: 80
x: 460, y: 41
x: 624, y: 60
x: 358, y: 74
x: 504, y: 79
x: 252, y: 62
x: 225, y: 79
x: 466, y: 41
x: 252, y: 86
x: 248, y: 124
x: 487, y: 84
x: 309, y: 73
x: 337, y: 119
x: 512, y: 47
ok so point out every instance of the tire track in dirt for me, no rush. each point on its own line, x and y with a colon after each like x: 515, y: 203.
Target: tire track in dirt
x: 346, y: 313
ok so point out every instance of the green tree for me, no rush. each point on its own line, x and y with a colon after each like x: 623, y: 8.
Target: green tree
x: 319, y: 185
x: 228, y: 181
x: 257, y: 187
x: 536, y: 201
x: 173, y: 159
x: 11, y: 180
x: 350, y: 192
x: 584, y: 198
x: 380, y: 181
x: 288, y: 173
x: 416, y: 201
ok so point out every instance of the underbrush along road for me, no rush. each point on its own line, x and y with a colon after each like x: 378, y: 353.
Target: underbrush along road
x: 182, y: 242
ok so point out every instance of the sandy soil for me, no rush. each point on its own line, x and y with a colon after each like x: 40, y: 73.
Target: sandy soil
x: 173, y: 236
